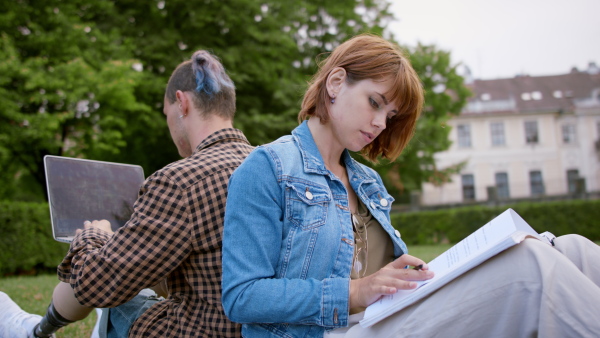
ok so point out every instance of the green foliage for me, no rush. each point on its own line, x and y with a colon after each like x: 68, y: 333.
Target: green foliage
x: 26, y: 238
x: 27, y: 242
x: 68, y: 87
x: 452, y: 225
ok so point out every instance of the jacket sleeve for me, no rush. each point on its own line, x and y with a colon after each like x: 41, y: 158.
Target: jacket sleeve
x: 108, y: 271
x: 252, y: 242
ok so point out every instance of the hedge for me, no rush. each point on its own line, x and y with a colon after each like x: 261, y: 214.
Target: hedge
x: 26, y: 236
x: 452, y: 225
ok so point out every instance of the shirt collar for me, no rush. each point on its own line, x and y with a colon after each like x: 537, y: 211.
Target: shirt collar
x: 222, y: 135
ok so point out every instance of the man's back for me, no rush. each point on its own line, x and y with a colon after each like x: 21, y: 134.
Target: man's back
x: 176, y: 232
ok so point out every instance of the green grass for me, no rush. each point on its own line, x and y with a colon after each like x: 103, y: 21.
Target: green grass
x: 427, y: 252
x: 33, y: 294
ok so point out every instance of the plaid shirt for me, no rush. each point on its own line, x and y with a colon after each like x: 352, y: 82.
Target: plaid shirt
x: 174, y: 233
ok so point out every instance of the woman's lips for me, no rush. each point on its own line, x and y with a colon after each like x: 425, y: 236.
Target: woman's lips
x: 368, y: 136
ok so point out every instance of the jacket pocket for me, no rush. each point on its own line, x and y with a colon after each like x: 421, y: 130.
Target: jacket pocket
x: 379, y: 199
x: 306, y: 204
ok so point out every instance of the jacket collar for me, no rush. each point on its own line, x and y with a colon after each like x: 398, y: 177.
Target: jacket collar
x: 312, y: 159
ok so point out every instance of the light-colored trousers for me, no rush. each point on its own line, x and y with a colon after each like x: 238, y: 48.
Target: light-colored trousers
x: 529, y: 290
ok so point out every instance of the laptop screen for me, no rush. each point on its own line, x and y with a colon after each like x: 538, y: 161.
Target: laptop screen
x: 80, y: 190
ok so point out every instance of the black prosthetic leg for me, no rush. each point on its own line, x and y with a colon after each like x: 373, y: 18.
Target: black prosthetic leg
x: 50, y: 323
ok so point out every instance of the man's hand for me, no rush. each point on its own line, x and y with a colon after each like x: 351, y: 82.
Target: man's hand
x: 103, y: 225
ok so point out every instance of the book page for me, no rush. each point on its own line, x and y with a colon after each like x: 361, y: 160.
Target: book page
x: 482, y: 239
x: 494, y: 237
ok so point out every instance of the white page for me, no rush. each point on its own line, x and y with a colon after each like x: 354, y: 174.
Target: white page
x: 482, y: 239
x: 461, y: 254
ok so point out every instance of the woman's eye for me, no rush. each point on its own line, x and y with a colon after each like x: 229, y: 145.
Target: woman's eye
x: 373, y: 103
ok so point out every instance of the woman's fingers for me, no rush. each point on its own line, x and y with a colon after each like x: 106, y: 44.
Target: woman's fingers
x: 408, y: 260
x: 388, y: 280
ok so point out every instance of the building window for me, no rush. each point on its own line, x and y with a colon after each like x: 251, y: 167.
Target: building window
x: 572, y: 176
x: 531, y: 132
x: 536, y: 183
x: 468, y: 187
x: 464, y: 135
x: 568, y: 133
x: 497, y: 131
x: 502, y: 186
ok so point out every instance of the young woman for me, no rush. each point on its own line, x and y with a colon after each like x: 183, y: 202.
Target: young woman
x: 308, y: 242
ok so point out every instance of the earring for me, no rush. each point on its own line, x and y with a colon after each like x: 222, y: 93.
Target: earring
x: 181, y: 116
x: 333, y: 100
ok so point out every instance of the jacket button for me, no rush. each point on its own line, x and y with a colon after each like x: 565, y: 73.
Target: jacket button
x: 309, y: 195
x: 397, y: 233
x: 383, y: 202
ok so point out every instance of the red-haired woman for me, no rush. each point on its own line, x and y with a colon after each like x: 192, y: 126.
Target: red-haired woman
x: 308, y: 242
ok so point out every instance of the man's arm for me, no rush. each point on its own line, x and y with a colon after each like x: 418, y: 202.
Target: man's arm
x: 107, y: 271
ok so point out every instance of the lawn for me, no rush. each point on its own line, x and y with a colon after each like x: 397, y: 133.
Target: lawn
x: 33, y: 293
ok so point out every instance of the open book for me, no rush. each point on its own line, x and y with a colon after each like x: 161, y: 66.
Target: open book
x: 499, y: 234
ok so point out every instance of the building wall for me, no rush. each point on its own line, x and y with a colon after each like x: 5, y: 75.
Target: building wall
x: 550, y: 155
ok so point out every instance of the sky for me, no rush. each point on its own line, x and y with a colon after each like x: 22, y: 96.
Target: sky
x: 504, y: 38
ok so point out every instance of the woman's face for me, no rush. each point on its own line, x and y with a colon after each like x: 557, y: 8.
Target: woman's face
x: 360, y: 112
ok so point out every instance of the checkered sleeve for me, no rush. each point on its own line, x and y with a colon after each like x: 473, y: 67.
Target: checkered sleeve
x: 141, y: 253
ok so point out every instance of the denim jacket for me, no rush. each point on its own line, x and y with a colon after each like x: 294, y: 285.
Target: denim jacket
x: 288, y: 238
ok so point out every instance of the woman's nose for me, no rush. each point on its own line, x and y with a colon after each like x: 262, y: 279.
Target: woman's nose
x: 379, y: 120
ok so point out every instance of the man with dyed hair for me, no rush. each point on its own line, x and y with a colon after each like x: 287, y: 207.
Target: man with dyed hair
x: 172, y: 243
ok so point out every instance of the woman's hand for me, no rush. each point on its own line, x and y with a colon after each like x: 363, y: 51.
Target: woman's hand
x: 388, y: 280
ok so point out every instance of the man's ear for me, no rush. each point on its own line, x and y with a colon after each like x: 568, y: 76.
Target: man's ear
x: 335, y: 80
x: 183, y: 101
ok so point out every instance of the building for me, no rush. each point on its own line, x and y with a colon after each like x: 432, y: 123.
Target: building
x: 526, y: 136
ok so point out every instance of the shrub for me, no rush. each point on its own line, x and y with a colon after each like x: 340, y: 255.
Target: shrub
x: 26, y: 238
x: 452, y: 225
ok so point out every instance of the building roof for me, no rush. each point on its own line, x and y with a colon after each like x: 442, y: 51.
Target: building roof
x: 535, y: 94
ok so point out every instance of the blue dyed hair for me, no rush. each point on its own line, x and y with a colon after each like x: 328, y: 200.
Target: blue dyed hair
x: 210, y: 74
x: 205, y: 77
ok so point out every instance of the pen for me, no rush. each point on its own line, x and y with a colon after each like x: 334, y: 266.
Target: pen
x: 418, y: 267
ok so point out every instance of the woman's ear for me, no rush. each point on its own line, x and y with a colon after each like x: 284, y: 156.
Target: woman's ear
x: 335, y: 80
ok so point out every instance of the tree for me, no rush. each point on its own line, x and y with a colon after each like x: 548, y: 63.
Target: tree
x: 83, y: 78
x: 268, y: 47
x: 65, y: 90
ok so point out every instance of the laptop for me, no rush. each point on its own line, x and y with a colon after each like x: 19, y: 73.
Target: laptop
x: 80, y: 190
